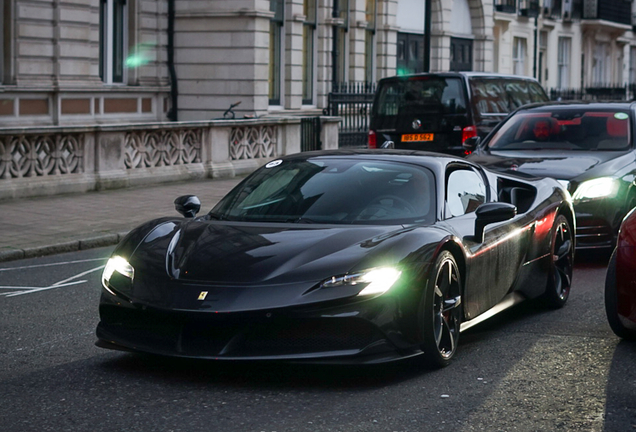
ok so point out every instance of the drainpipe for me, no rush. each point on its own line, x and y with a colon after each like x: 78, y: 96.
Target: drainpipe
x: 427, y: 36
x: 174, y: 92
x: 335, y: 13
x: 536, y: 32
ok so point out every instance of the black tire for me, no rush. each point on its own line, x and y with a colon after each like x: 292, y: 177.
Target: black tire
x: 560, y: 267
x: 611, y: 303
x: 441, y: 311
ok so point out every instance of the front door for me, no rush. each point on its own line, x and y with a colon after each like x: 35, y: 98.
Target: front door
x: 461, y: 54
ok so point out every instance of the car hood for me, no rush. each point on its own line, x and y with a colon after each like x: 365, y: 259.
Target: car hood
x: 247, y: 253
x: 212, y: 266
x: 565, y: 166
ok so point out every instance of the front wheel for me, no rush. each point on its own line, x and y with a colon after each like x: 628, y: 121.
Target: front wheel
x: 441, y: 312
x: 561, y: 264
x: 611, y: 303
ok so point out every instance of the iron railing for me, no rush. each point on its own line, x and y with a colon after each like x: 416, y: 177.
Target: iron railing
x: 310, y: 134
x: 351, y: 102
x: 596, y: 93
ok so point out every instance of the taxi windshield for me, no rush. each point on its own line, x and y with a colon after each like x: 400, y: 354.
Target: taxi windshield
x: 565, y: 129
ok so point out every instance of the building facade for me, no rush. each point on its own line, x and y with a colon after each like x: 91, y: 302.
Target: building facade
x: 83, y: 62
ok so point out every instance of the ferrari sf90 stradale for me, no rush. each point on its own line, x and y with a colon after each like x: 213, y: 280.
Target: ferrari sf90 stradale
x: 339, y: 257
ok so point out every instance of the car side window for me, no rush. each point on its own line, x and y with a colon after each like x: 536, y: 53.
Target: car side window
x: 465, y: 191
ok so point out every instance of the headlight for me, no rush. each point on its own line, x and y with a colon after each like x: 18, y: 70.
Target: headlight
x: 603, y: 187
x: 119, y: 265
x: 372, y: 282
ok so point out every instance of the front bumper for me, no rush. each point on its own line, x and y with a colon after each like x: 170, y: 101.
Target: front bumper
x: 359, y: 332
x: 597, y: 222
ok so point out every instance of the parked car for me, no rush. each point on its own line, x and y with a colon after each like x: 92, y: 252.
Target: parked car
x: 439, y: 111
x: 589, y: 147
x: 620, y: 282
x: 343, y: 256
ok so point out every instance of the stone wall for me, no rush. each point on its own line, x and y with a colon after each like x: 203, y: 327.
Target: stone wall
x: 55, y: 160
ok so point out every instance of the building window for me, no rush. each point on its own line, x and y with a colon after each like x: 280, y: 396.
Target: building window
x: 519, y: 56
x: 563, y: 77
x: 632, y: 66
x: 112, y: 46
x: 369, y: 41
x: 600, y: 64
x: 341, y: 31
x: 309, y: 39
x: 275, y: 50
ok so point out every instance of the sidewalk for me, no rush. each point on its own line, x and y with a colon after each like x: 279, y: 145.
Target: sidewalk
x: 48, y: 225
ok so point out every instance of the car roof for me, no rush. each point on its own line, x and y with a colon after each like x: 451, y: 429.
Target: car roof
x: 582, y: 105
x: 434, y: 161
x: 465, y: 74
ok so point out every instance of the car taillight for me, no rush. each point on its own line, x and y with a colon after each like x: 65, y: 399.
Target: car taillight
x: 373, y: 143
x: 468, y: 132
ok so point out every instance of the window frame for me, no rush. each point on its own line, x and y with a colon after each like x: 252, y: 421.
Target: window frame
x: 371, y: 13
x: 276, y: 49
x: 519, y: 49
x: 310, y: 26
x: 564, y: 57
x: 113, y: 41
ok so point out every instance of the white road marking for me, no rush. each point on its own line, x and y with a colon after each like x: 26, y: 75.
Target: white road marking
x: 30, y: 290
x: 52, y: 264
x: 63, y: 283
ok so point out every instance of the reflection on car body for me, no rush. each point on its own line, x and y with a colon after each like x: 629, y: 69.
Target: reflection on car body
x: 589, y: 147
x: 343, y: 256
x: 620, y: 282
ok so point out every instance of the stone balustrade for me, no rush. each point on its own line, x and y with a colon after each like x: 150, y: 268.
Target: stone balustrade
x: 53, y: 160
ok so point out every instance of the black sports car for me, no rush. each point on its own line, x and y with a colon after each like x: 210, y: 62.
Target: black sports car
x: 342, y: 256
x: 589, y: 147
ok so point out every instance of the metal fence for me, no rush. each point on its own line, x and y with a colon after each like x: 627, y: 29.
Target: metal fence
x: 310, y: 128
x: 351, y: 102
x: 599, y: 93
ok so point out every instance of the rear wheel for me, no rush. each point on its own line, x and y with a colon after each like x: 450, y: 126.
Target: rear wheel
x: 611, y: 303
x: 560, y: 272
x: 441, y: 312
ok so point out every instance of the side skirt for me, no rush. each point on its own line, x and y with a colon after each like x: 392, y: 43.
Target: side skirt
x: 508, y: 301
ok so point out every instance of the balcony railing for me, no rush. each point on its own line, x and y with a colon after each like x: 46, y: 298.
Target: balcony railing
x: 618, y: 11
x: 509, y: 6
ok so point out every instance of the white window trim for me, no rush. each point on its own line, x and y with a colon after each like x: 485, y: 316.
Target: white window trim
x: 564, y: 57
x: 519, y: 61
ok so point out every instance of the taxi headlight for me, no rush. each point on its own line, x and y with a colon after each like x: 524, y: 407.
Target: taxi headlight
x: 604, y: 187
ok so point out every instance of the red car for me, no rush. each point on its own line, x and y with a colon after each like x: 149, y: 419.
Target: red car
x: 620, y: 282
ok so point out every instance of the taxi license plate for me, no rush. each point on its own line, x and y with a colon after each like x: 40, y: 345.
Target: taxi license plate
x: 417, y: 137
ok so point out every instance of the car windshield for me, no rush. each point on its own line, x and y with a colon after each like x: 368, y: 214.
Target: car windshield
x: 565, y: 129
x: 333, y: 191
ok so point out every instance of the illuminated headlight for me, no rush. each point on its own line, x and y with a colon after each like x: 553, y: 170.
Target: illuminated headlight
x: 117, y: 264
x: 603, y: 187
x: 372, y: 282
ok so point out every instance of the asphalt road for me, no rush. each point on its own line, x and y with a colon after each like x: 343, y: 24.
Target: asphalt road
x: 528, y: 369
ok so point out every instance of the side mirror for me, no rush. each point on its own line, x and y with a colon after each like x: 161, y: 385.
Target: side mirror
x: 490, y: 213
x: 471, y: 143
x: 188, y: 205
x: 388, y: 145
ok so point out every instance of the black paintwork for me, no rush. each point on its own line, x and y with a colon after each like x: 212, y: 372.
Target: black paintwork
x: 264, y: 298
x: 598, y: 220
